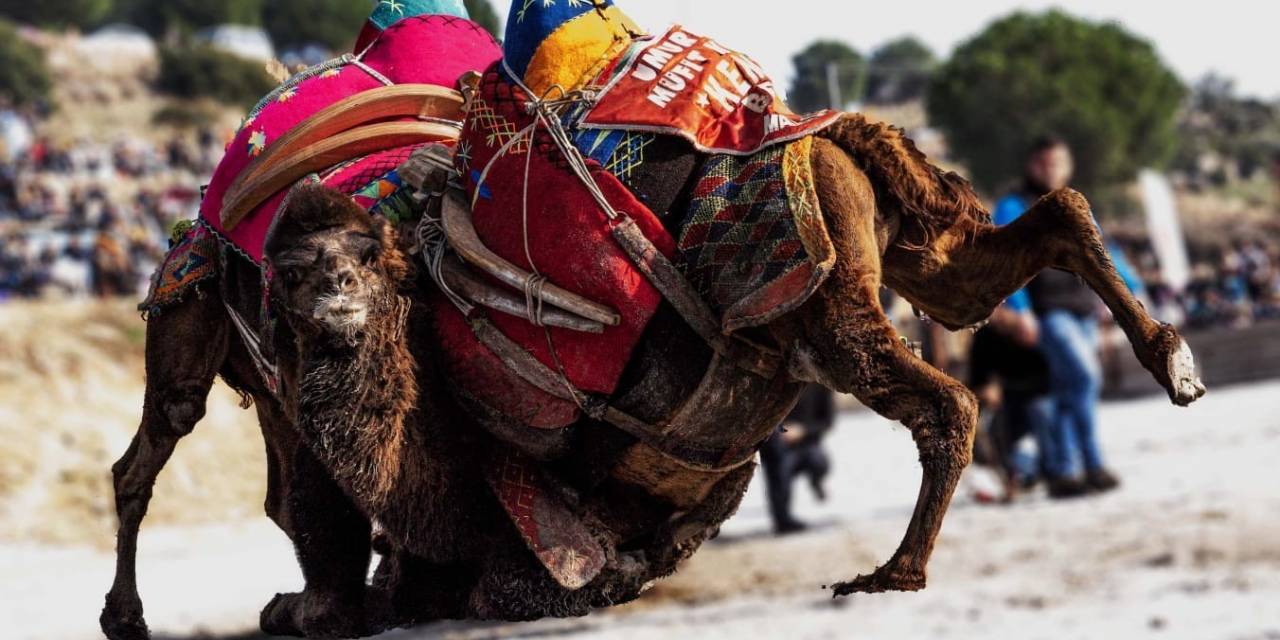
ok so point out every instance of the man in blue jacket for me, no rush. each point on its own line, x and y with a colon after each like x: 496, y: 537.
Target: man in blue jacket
x: 1066, y: 312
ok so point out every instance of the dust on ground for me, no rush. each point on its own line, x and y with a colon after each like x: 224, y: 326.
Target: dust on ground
x: 1189, y: 548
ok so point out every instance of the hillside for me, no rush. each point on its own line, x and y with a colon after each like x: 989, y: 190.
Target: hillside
x: 71, y: 387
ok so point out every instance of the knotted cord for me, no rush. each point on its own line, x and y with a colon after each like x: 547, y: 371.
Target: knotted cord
x: 545, y: 112
x: 433, y: 243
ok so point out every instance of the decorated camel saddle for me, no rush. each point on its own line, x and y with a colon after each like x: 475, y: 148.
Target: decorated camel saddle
x: 553, y: 134
x: 549, y: 267
x: 349, y: 123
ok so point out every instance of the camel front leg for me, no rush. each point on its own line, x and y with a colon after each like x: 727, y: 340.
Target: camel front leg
x: 842, y: 339
x: 185, y: 347
x: 968, y: 270
x: 862, y: 355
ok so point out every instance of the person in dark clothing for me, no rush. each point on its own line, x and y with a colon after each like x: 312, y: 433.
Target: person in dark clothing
x: 1010, y: 376
x: 796, y: 450
x: 1066, y: 311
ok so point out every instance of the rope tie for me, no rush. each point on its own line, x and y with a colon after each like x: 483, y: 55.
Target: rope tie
x: 546, y: 114
x: 433, y: 244
x: 533, y: 299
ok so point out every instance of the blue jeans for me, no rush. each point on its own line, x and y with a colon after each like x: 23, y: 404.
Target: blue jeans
x: 1070, y: 344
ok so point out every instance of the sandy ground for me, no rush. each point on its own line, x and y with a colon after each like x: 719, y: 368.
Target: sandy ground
x: 1190, y: 548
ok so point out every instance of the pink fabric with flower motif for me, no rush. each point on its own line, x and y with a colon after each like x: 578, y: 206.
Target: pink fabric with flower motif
x: 433, y: 49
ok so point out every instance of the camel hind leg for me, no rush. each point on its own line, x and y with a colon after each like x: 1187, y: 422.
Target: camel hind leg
x: 186, y: 345
x: 967, y: 271
x: 842, y: 339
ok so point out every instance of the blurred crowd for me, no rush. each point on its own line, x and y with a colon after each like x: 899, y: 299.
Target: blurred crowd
x: 90, y: 219
x: 1233, y: 286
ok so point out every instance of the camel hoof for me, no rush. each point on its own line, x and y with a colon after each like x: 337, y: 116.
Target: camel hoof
x: 305, y: 615
x: 1184, y: 385
x: 123, y: 622
x: 880, y: 582
x: 277, y: 617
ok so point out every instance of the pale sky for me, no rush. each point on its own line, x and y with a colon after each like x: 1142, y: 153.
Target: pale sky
x: 1238, y: 38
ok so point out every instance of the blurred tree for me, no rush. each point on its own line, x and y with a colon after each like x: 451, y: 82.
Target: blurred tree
x: 811, y: 87
x: 482, y: 13
x: 333, y: 23
x: 56, y: 13
x: 169, y: 18
x: 205, y: 72
x: 1101, y: 88
x: 24, y: 76
x: 1223, y: 136
x: 899, y: 71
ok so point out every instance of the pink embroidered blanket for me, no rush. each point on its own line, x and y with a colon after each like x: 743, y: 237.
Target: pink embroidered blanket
x: 430, y: 49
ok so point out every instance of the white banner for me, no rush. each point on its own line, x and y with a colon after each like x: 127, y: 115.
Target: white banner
x: 1165, y: 228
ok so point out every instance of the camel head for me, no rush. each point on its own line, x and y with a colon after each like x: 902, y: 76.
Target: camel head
x: 336, y: 267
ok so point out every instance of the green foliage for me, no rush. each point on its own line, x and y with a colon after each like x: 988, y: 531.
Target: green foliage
x: 56, y: 13
x: 899, y: 71
x: 482, y: 13
x: 205, y: 72
x: 333, y: 23
x: 810, y: 89
x: 24, y: 75
x: 165, y: 18
x: 1101, y: 88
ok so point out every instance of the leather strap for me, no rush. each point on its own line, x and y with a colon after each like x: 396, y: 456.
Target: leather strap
x: 677, y: 289
x: 542, y: 377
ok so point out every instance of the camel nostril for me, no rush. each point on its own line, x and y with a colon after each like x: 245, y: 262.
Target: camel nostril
x: 344, y: 281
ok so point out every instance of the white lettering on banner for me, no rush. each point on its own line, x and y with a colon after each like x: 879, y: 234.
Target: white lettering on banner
x: 775, y: 122
x: 661, y: 97
x: 754, y: 72
x: 738, y: 81
x: 673, y: 82
x: 727, y: 99
x: 644, y: 73
x: 717, y: 47
x: 692, y: 85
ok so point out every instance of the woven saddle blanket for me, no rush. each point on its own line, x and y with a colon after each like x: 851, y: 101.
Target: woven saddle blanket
x: 753, y: 243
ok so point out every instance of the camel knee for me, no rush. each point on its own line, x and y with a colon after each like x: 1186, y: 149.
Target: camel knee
x: 1072, y: 212
x: 947, y: 436
x: 182, y: 407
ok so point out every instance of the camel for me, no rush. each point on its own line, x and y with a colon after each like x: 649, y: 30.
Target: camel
x: 395, y: 447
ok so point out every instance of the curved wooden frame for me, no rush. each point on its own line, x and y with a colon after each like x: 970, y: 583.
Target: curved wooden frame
x: 438, y: 108
x: 475, y: 289
x: 461, y: 232
x: 324, y: 154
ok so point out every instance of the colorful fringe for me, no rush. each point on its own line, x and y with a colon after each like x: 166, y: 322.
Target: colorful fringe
x: 192, y: 259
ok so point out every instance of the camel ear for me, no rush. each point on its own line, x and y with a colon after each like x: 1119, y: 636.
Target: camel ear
x: 397, y: 265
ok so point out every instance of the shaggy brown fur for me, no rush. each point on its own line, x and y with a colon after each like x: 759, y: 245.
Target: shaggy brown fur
x: 414, y: 467
x: 904, y: 180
